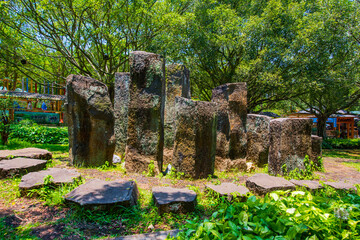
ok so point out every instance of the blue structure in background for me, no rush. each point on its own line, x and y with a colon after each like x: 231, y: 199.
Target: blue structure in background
x: 329, y: 120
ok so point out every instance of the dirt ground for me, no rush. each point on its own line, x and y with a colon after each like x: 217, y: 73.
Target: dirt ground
x: 25, y: 211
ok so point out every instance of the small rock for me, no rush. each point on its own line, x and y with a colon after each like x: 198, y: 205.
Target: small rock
x: 99, y: 194
x: 177, y: 200
x: 34, y: 153
x: 151, y: 227
x: 116, y: 159
x: 36, y: 179
x: 341, y: 185
x: 229, y: 189
x: 310, y: 185
x: 262, y: 184
x: 20, y: 166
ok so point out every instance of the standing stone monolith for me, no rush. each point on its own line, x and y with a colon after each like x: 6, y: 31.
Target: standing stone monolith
x: 290, y: 142
x: 121, y: 105
x: 258, y: 139
x: 177, y: 85
x: 145, y: 133
x: 90, y: 121
x: 231, y: 127
x: 316, y: 149
x: 195, y: 137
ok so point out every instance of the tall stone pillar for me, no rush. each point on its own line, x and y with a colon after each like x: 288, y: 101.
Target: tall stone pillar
x: 177, y: 85
x: 90, y: 121
x: 195, y: 137
x: 258, y: 139
x: 316, y: 149
x: 121, y: 104
x: 232, y: 112
x: 290, y: 142
x: 145, y: 133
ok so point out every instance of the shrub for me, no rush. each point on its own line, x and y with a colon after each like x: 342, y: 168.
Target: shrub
x: 39, y: 134
x: 341, y: 143
x: 282, y: 215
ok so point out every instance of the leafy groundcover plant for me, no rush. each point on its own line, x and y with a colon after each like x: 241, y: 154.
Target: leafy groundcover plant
x: 326, y: 214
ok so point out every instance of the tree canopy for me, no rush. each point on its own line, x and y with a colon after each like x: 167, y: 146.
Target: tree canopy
x: 302, y: 52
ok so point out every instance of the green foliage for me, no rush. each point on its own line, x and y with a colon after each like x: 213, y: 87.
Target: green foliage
x: 307, y: 172
x: 40, y: 134
x: 52, y: 194
x: 5, y: 122
x: 282, y: 215
x: 151, y: 169
x: 341, y: 143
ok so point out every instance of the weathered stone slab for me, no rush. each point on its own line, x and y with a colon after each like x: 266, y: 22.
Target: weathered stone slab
x: 290, y: 142
x: 309, y: 184
x: 341, y: 186
x: 258, y: 139
x: 20, y: 166
x: 176, y: 200
x: 316, y: 149
x: 262, y: 184
x: 121, y: 105
x: 34, y: 153
x: 195, y: 138
x: 59, y: 176
x: 90, y: 121
x: 145, y: 139
x: 99, y: 194
x: 177, y: 85
x: 229, y: 190
x: 231, y: 127
x: 162, y: 235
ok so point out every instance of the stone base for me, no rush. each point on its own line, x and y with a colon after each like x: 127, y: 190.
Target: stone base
x: 308, y: 184
x: 20, y: 166
x: 34, y: 153
x: 99, y: 195
x: 262, y: 184
x: 230, y: 190
x: 174, y: 200
x: 36, y: 179
x: 341, y: 186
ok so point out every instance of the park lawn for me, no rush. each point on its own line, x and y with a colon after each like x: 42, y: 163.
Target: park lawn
x: 73, y: 222
x: 352, y: 156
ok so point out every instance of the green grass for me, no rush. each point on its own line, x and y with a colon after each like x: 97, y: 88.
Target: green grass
x: 18, y: 144
x: 9, y: 190
x: 347, y: 154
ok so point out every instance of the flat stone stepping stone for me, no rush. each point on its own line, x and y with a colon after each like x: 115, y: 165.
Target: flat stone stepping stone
x: 59, y: 176
x: 262, y: 184
x: 35, y: 153
x: 98, y: 194
x: 20, y: 166
x: 153, y: 236
x: 177, y: 200
x: 229, y: 190
x: 341, y: 186
x: 308, y: 184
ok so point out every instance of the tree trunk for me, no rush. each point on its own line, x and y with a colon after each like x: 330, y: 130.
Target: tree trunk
x: 321, y: 125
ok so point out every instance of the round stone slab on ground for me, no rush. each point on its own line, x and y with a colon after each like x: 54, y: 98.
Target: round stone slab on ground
x: 35, y: 153
x: 99, y: 194
x: 228, y: 189
x: 341, y: 185
x: 20, y: 166
x: 262, y: 184
x: 169, y: 199
x: 309, y: 184
x: 59, y: 176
